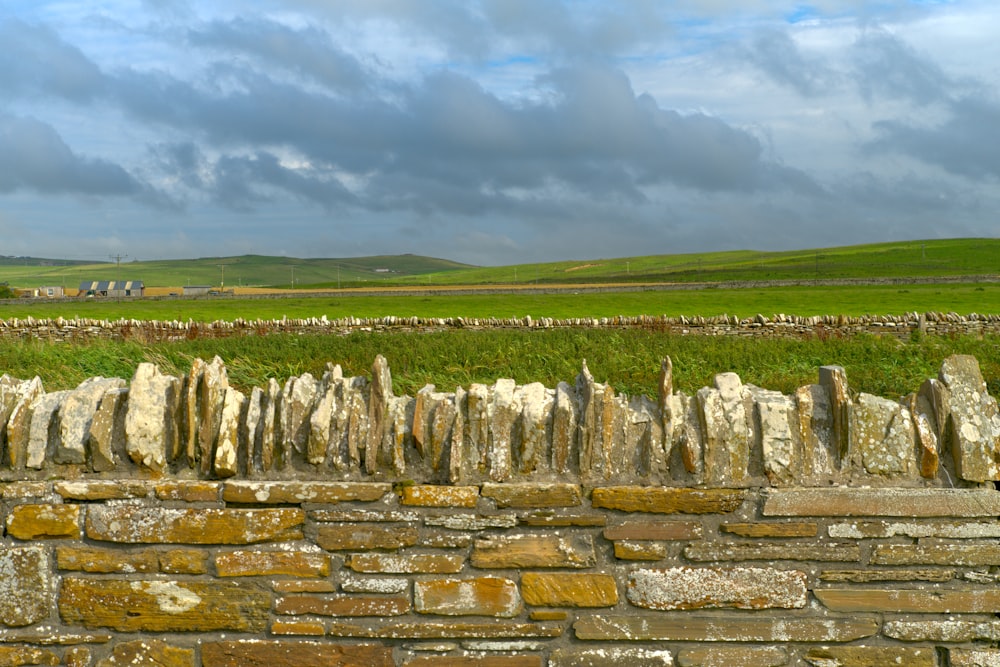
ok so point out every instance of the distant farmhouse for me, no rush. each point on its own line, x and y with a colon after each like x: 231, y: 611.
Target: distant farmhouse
x: 112, y: 288
x: 197, y: 290
x: 47, y: 292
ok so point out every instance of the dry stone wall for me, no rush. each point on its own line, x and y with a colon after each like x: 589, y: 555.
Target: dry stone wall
x: 176, y: 521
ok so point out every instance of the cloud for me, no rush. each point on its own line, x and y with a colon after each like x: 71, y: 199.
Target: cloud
x: 33, y: 156
x: 34, y: 60
x: 778, y: 55
x: 887, y: 66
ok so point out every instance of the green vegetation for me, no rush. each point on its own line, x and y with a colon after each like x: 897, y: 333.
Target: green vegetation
x: 805, y: 301
x: 629, y: 360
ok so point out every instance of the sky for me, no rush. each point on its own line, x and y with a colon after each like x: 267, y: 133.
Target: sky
x: 493, y: 131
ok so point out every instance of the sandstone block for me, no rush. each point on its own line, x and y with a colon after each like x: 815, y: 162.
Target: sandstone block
x: 43, y: 431
x: 188, y: 491
x: 342, y: 605
x: 795, y: 529
x: 101, y: 489
x: 151, y: 417
x: 562, y: 520
x: 426, y: 630
x: 481, y: 596
x: 610, y: 657
x: 626, y: 550
x: 958, y: 657
x: 868, y: 576
x: 148, y: 652
x: 662, y: 500
x: 770, y: 656
x: 305, y: 586
x: 163, y: 606
x: 777, y: 423
x: 469, y: 661
x: 270, y: 563
x: 228, y: 445
x: 723, y: 628
x: 261, y: 653
x: 415, y: 564
x: 76, y: 416
x: 882, y: 502
x: 528, y: 496
x: 907, y: 601
x: 14, y: 656
x: 972, y: 426
x: 107, y: 428
x: 300, y: 492
x: 105, y: 561
x: 426, y: 495
x: 154, y: 525
x: 882, y: 437
x: 298, y: 628
x: 936, y: 554
x: 943, y: 631
x: 472, y: 522
x: 527, y: 551
x: 569, y: 590
x: 870, y: 656
x: 183, y: 561
x: 654, y: 530
x: 697, y: 588
x: 26, y: 585
x: 715, y: 551
x: 32, y: 522
x: 361, y: 536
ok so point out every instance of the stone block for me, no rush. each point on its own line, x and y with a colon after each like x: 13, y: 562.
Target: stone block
x: 107, y: 429
x: 661, y: 500
x: 472, y: 522
x: 969, y: 555
x: 188, y: 491
x: 342, y: 605
x: 361, y: 536
x: 270, y: 563
x: 882, y: 437
x: 148, y: 652
x: 769, y: 530
x: 455, y: 630
x: 151, y: 427
x: 15, y: 656
x: 101, y: 489
x: 717, y: 551
x: 409, y: 564
x: 533, y: 551
x: 723, y: 628
x: 770, y: 656
x: 654, y: 530
x: 943, y: 630
x: 531, y: 496
x: 911, y: 601
x: 283, y: 627
x: 883, y: 502
x: 610, y: 657
x: 871, y: 656
x: 26, y: 585
x: 470, y: 661
x: 563, y: 520
x: 326, y: 493
x: 82, y: 558
x: 566, y: 589
x: 265, y: 653
x: 895, y: 574
x: 76, y: 416
x: 735, y: 587
x: 972, y: 425
x: 155, y: 525
x: 183, y: 561
x: 628, y: 550
x: 42, y: 521
x: 860, y: 530
x: 481, y: 596
x: 163, y: 606
x: 43, y: 433
x: 959, y: 657
x: 427, y: 495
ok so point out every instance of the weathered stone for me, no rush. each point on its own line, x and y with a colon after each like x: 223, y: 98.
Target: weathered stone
x: 798, y: 529
x: 151, y: 652
x: 105, y: 561
x: 868, y: 576
x: 365, y: 516
x: 481, y: 596
x: 270, y: 424
x: 380, y: 585
x: 815, y: 431
x: 189, y: 491
x: 163, y: 606
x: 770, y: 656
x: 834, y: 380
x: 589, y: 395
x: 536, y: 424
x: 569, y: 590
x: 610, y: 657
x: 972, y: 601
x: 442, y: 433
x: 101, y: 489
x: 342, y: 605
x: 183, y: 561
x: 728, y: 430
x: 428, y: 495
x: 325, y: 493
x: 190, y: 413
x: 25, y: 585
x: 472, y: 521
x: 26, y: 397
x: 936, y: 554
x: 928, y: 431
x: 723, y: 628
x: 136, y: 525
x: 15, y: 656
x: 227, y: 444
x: 260, y: 653
x: 251, y: 430
x: 43, y: 433
x: 860, y: 530
x: 426, y: 630
x: 627, y: 550
x: 530, y: 496
x: 470, y: 661
x: 360, y: 536
x: 561, y: 520
x: 297, y: 400
x: 697, y: 588
x: 871, y: 656
x: 882, y: 502
x: 524, y: 551
x: 32, y: 522
x: 78, y: 656
x: 654, y: 530
x: 211, y: 396
x: 959, y: 657
x: 321, y: 423
x: 415, y: 564
x: 776, y: 417
x: 882, y: 437
x: 269, y: 563
x: 151, y: 417
x: 284, y: 627
x: 76, y: 417
x: 107, y: 429
x: 307, y: 586
x: 504, y: 416
x: 565, y: 418
x: 713, y: 551
x: 972, y: 426
x: 663, y: 500
x: 942, y: 630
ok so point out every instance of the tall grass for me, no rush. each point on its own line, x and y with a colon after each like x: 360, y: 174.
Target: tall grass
x: 628, y: 359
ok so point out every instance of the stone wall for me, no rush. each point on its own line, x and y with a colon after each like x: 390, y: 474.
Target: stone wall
x: 325, y: 521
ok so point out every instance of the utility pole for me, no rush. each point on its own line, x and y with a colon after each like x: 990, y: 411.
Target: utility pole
x: 118, y: 272
x: 222, y: 286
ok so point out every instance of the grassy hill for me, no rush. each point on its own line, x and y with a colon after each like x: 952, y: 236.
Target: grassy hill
x: 930, y: 258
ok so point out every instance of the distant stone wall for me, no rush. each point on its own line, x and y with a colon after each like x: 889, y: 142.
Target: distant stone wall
x: 326, y: 521
x: 777, y: 325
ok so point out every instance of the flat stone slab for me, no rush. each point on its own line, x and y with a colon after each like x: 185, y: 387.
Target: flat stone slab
x: 882, y: 502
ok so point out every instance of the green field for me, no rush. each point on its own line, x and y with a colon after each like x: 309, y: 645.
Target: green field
x: 930, y: 258
x: 804, y: 301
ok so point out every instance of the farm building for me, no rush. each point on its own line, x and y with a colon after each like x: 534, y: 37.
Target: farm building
x: 196, y: 290
x: 112, y: 288
x: 47, y: 292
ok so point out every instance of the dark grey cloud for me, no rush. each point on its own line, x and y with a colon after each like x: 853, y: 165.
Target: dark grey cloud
x: 34, y: 60
x: 776, y: 54
x: 309, y: 52
x: 33, y: 156
x: 886, y: 66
